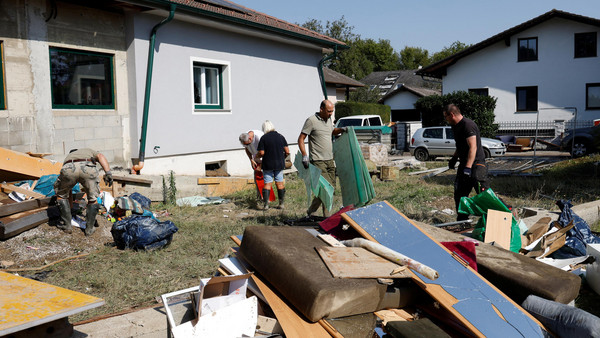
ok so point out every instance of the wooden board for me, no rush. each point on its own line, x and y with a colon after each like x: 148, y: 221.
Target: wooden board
x: 358, y: 263
x: 16, y: 166
x: 16, y: 207
x: 220, y: 186
x: 498, y: 228
x: 479, y: 306
x: 15, y: 224
x: 26, y: 303
x: 9, y: 187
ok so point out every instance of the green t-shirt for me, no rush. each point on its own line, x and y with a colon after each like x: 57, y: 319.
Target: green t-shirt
x: 319, y: 133
x: 81, y: 154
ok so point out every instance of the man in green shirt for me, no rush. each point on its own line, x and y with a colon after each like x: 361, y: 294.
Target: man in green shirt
x: 320, y: 131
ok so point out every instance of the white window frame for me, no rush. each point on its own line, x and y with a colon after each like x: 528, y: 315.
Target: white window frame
x: 226, y: 85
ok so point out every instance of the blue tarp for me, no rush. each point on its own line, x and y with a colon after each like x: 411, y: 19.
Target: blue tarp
x: 579, y: 235
x: 142, y: 233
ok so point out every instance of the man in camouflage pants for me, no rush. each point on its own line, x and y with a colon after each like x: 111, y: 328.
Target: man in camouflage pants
x: 80, y: 167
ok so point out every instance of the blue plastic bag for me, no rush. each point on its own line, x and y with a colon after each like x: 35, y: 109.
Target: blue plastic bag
x: 577, y: 237
x: 142, y: 233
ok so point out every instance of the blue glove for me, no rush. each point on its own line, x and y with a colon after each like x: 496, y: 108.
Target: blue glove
x: 467, y: 172
x: 305, y: 161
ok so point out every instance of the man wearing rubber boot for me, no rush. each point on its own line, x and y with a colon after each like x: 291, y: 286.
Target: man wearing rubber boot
x: 472, y: 171
x: 80, y: 167
x: 320, y: 131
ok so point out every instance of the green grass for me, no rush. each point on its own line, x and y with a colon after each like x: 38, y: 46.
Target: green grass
x: 127, y: 279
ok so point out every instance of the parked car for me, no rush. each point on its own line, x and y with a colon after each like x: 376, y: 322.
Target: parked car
x: 427, y: 143
x: 587, y: 141
x: 359, y: 121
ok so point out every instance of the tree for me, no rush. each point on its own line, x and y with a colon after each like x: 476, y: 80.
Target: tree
x: 364, y: 94
x: 454, y: 48
x: 413, y: 57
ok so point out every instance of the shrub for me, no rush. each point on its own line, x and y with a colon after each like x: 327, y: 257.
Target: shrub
x: 343, y: 109
x: 476, y: 107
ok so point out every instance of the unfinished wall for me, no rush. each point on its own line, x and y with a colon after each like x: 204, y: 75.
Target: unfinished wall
x: 28, y: 28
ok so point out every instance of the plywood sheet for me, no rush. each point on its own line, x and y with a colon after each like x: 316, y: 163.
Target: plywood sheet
x: 15, y: 164
x: 26, y: 303
x: 498, y: 228
x: 358, y: 263
x: 477, y: 304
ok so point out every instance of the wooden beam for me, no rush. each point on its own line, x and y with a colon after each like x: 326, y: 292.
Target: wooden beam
x: 9, y: 187
x: 13, y: 208
x: 13, y: 225
x: 20, y: 164
x: 130, y: 179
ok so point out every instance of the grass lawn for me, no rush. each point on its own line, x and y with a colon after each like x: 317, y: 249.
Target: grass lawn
x: 130, y: 279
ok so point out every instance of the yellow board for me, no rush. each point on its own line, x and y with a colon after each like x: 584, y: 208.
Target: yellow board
x: 220, y: 186
x: 16, y: 163
x: 26, y: 303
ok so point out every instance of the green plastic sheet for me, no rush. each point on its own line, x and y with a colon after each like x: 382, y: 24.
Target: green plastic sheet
x: 315, y: 183
x: 478, y: 205
x: 355, y: 180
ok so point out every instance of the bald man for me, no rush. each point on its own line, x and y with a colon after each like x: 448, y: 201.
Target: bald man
x: 320, y: 131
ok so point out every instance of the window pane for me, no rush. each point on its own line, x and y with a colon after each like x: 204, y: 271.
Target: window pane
x: 81, y: 79
x: 593, y: 96
x: 197, y: 85
x: 212, y: 86
x: 527, y: 98
x: 433, y: 133
x: 585, y: 45
x: 449, y: 133
x: 527, y: 49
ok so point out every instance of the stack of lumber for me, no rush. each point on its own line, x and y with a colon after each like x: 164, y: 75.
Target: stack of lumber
x: 16, y: 217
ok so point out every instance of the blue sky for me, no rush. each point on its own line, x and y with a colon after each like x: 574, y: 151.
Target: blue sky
x: 429, y: 24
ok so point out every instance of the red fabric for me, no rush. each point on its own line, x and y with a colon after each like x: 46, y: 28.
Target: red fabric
x: 333, y: 225
x: 259, y: 178
x: 464, y: 249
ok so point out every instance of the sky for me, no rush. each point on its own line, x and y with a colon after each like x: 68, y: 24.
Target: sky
x: 428, y: 24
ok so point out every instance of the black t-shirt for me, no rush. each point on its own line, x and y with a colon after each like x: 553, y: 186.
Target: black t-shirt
x: 462, y: 130
x: 273, y: 143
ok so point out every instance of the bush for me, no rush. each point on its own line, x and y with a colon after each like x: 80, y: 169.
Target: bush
x: 343, y: 109
x: 476, y: 107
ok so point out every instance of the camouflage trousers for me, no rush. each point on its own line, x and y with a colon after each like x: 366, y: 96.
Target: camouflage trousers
x: 84, y: 173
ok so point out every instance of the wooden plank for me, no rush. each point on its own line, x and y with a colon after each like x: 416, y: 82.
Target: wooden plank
x: 21, y: 164
x: 16, y: 207
x: 478, y: 305
x: 358, y: 263
x: 131, y: 179
x: 498, y: 228
x: 15, y: 224
x: 26, y: 303
x: 10, y: 187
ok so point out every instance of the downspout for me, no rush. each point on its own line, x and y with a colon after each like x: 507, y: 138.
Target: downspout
x: 328, y: 57
x: 136, y: 168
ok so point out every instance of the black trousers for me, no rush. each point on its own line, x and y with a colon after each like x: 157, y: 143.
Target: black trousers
x: 464, y: 184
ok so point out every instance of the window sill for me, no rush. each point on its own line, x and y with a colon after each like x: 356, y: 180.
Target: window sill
x: 211, y: 111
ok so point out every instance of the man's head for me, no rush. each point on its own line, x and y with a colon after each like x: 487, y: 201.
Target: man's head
x: 452, y: 114
x: 246, y: 138
x: 326, y: 109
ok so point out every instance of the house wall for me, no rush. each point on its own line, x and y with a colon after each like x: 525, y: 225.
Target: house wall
x: 27, y: 29
x: 402, y: 100
x: 269, y: 80
x: 559, y: 76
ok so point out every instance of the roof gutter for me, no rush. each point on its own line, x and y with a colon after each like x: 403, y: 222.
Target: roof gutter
x: 320, y: 68
x: 142, y: 155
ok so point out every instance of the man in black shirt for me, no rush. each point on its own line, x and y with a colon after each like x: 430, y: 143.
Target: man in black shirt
x: 472, y: 170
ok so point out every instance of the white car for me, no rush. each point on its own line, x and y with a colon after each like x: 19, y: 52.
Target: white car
x: 359, y: 121
x: 427, y: 143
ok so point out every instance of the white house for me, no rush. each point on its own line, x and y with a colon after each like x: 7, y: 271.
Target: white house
x: 548, y: 66
x: 402, y: 102
x: 178, y: 80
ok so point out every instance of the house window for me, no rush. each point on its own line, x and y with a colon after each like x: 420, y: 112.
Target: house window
x: 81, y: 80
x: 585, y: 45
x: 528, y: 49
x: 479, y: 91
x: 208, y: 86
x: 527, y: 98
x: 2, y: 92
x: 592, y: 96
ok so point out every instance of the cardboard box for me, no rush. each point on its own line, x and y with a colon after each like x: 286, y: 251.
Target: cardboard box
x: 218, y: 292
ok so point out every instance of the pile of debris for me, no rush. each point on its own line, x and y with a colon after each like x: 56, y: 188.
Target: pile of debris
x: 373, y: 271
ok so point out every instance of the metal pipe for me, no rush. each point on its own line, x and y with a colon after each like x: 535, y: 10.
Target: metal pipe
x: 142, y: 153
x: 320, y: 68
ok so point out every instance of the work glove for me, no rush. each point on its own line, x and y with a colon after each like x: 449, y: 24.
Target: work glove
x: 467, y: 172
x: 344, y: 129
x: 452, y: 162
x: 108, y: 179
x: 305, y: 161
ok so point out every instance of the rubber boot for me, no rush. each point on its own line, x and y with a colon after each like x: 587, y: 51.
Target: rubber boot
x: 65, y: 215
x: 314, y: 206
x: 281, y: 197
x: 266, y: 195
x: 90, y: 218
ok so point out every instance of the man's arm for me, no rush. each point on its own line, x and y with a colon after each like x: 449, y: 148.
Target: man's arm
x: 103, y: 162
x: 301, y: 146
x: 252, y: 162
x: 472, y: 143
x: 286, y: 151
x: 260, y: 154
x: 337, y: 131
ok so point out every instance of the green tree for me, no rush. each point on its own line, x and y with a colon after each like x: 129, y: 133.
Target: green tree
x: 476, y: 107
x: 413, y: 57
x: 454, y: 48
x: 364, y: 94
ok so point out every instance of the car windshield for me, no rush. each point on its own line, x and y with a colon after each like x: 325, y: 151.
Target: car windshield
x: 349, y: 123
x: 374, y: 121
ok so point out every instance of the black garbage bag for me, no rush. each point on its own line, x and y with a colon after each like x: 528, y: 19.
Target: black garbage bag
x: 142, y: 233
x: 143, y: 200
x: 577, y: 237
